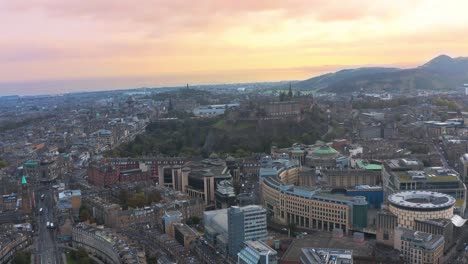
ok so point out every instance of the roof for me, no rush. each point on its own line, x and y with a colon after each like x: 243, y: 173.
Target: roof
x: 324, y: 150
x: 421, y: 239
x: 368, y: 166
x: 23, y: 180
x: 458, y: 221
x: 326, y: 255
x: 421, y: 200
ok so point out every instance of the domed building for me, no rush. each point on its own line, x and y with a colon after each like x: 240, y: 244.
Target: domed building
x: 326, y: 157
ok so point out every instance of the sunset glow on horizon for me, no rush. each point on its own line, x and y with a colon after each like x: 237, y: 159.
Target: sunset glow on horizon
x: 124, y: 44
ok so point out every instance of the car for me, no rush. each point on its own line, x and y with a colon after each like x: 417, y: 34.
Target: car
x: 284, y: 229
x: 41, y: 210
x: 48, y: 224
x: 42, y: 196
x: 52, y: 226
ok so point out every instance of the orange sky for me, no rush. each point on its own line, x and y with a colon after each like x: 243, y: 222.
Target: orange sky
x: 154, y: 43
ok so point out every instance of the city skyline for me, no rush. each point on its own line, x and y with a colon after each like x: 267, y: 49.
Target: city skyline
x: 55, y: 46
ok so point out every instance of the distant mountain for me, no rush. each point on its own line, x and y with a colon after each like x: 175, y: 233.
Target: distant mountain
x: 440, y: 73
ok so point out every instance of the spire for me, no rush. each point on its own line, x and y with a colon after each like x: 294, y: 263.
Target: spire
x: 290, y: 94
x: 23, y: 180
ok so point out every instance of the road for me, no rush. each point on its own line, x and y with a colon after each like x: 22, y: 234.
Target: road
x: 46, y: 245
x: 440, y: 151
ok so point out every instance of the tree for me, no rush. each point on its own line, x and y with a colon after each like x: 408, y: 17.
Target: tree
x: 137, y: 200
x: 154, y: 197
x: 194, y: 220
x: 85, y: 215
x: 3, y: 164
x: 21, y: 257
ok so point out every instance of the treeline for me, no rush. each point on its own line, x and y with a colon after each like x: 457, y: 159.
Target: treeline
x: 194, y: 137
x: 176, y: 137
x: 380, y: 104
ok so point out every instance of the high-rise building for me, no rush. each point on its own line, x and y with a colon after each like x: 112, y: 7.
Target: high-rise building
x: 245, y: 223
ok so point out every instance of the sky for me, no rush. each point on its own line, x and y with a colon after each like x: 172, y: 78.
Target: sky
x: 54, y: 46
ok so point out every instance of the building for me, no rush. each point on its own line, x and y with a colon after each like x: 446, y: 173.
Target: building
x: 216, y: 229
x: 434, y: 179
x: 245, y: 223
x: 385, y: 227
x: 419, y: 247
x: 374, y: 194
x: 11, y: 242
x: 102, y: 175
x: 351, y: 178
x: 169, y: 218
x: 326, y: 256
x: 325, y: 157
x: 307, y: 207
x: 463, y: 168
x: 197, y: 179
x: 228, y: 228
x: 70, y: 200
x: 256, y: 252
x: 225, y: 195
x: 422, y: 205
x: 184, y: 234
x: 443, y: 227
x: 106, y: 245
x: 213, y: 110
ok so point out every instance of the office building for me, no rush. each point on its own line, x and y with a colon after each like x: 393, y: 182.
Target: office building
x: 256, y: 252
x: 307, y: 207
x: 245, y: 223
x: 419, y: 247
x: 434, y: 179
x: 421, y: 205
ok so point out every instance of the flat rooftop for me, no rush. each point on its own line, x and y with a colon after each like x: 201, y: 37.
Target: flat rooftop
x: 421, y: 199
x: 325, y: 240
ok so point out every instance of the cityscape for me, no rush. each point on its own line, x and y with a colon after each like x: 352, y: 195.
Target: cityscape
x: 363, y: 162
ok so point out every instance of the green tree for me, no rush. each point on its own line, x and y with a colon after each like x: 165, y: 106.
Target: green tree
x: 21, y: 257
x: 194, y: 220
x: 137, y: 200
x: 3, y: 164
x: 85, y: 215
x: 154, y: 197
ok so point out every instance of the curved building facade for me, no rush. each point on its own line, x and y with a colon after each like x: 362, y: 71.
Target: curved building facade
x: 306, y: 207
x: 420, y: 205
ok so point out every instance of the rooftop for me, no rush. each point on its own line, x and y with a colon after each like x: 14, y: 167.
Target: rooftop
x: 324, y: 150
x: 326, y: 255
x: 422, y: 239
x: 428, y: 174
x: 421, y: 199
x: 368, y: 166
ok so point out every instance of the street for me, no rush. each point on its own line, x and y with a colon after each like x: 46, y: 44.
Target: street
x: 45, y: 241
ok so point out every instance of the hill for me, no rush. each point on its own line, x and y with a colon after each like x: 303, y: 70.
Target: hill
x: 440, y: 73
